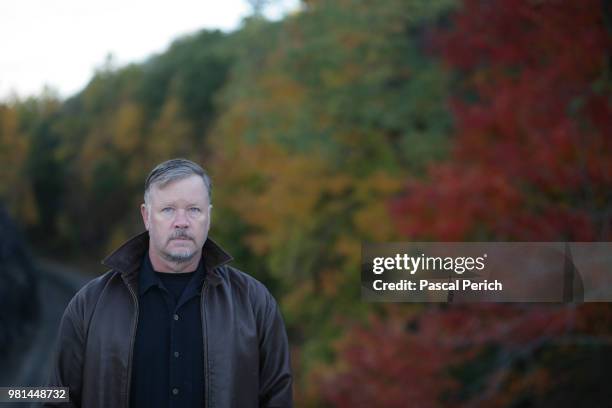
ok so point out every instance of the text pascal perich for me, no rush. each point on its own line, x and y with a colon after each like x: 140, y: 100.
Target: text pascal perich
x: 424, y: 284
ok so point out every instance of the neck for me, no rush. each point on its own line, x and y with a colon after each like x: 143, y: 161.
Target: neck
x: 163, y: 265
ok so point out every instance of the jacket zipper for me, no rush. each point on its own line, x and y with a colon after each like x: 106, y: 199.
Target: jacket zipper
x: 205, y: 341
x: 129, y: 373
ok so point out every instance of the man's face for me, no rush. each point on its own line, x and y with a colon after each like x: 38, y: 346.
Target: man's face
x: 178, y: 218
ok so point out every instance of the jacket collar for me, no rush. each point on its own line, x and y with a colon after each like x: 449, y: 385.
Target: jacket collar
x: 127, y: 259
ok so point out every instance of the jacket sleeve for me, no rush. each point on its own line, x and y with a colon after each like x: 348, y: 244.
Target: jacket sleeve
x: 275, y: 385
x: 67, y: 366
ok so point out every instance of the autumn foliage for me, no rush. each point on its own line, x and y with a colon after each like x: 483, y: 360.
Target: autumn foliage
x: 530, y: 160
x: 532, y: 147
x: 442, y: 355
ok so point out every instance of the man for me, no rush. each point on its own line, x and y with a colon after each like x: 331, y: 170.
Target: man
x: 171, y: 324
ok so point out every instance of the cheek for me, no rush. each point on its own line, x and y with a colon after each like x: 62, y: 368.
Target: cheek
x: 157, y: 221
x: 157, y: 227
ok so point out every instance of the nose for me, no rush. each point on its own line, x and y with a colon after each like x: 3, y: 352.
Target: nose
x: 181, y: 221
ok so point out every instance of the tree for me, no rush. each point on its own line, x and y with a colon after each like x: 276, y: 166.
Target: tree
x: 531, y: 159
x: 15, y: 189
x: 324, y: 114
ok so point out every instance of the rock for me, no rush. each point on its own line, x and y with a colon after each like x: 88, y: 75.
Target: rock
x: 19, y: 299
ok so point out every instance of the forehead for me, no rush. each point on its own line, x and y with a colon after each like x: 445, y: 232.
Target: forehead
x: 190, y: 189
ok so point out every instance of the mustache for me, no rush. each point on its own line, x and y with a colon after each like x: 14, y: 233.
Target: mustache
x: 180, y: 234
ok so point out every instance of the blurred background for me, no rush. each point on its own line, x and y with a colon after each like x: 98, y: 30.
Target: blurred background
x: 323, y: 124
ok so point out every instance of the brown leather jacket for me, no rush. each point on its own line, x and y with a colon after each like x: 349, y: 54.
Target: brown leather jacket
x: 246, y: 355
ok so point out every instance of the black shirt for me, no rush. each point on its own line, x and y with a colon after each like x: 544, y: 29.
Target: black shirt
x: 167, y: 361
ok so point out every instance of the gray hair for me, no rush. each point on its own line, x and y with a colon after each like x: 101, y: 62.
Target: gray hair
x: 172, y: 170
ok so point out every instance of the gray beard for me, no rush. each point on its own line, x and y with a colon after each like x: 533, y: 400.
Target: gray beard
x: 178, y: 258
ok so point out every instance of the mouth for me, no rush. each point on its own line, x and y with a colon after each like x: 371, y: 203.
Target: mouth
x: 181, y: 239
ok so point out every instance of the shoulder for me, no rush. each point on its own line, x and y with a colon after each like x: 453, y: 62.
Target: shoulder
x: 245, y: 287
x: 241, y: 282
x: 94, y: 287
x: 86, y: 298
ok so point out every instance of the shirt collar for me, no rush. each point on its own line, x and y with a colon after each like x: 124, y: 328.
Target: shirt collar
x: 148, y: 278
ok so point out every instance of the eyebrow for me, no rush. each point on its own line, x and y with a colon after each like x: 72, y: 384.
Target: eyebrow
x: 172, y: 204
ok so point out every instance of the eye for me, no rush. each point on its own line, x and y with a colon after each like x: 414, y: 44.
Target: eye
x: 195, y: 210
x: 167, y: 210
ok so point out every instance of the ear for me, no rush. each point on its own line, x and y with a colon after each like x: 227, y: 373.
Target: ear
x: 209, y: 214
x: 144, y: 211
